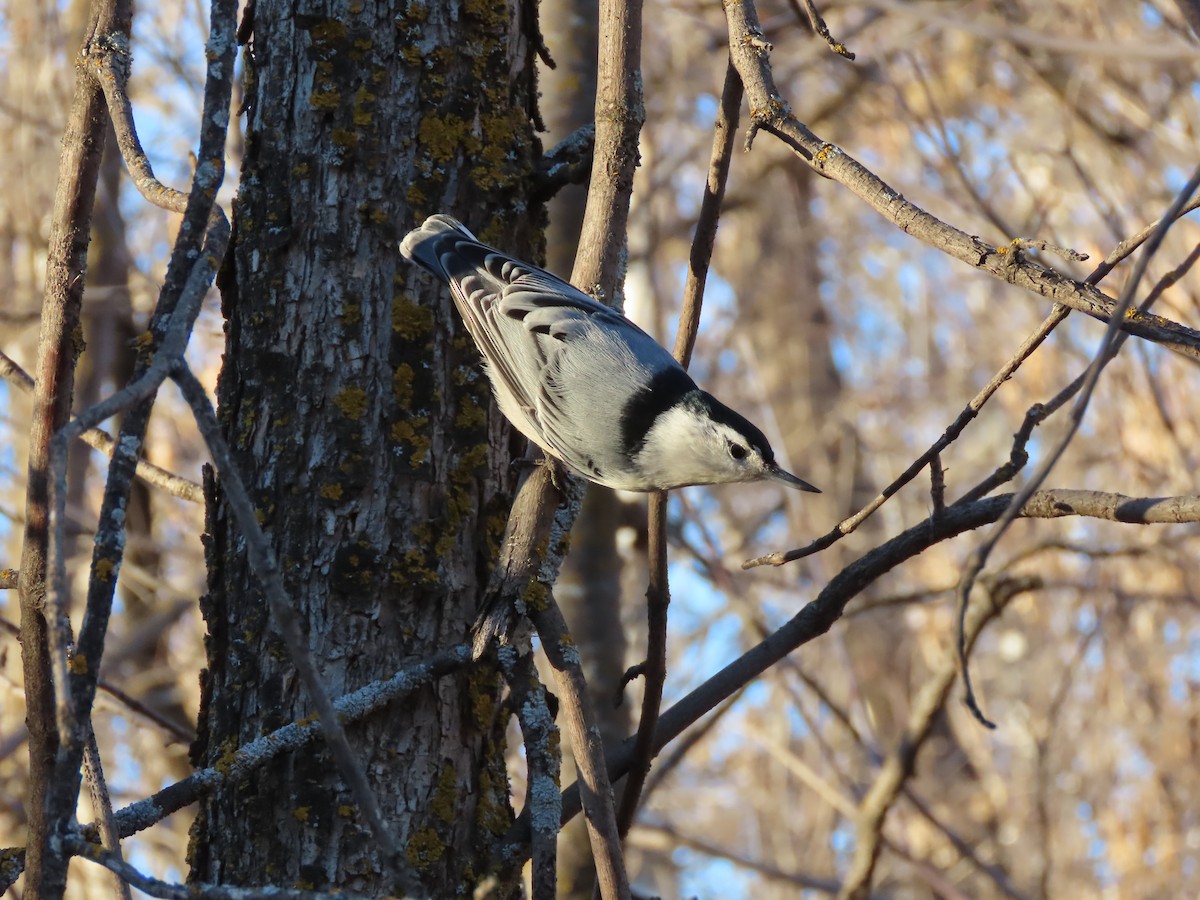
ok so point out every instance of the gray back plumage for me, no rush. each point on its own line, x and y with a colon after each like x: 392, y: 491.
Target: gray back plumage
x: 564, y: 367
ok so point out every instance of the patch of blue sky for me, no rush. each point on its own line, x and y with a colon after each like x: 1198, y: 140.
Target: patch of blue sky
x: 1097, y: 847
x: 706, y: 108
x: 800, y: 727
x: 841, y: 842
x: 719, y: 295
x: 1184, y: 668
x: 925, y: 143
x: 1093, y: 657
x: 1171, y: 631
x: 1085, y: 619
x: 703, y: 877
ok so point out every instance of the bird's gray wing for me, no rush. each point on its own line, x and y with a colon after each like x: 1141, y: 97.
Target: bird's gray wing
x: 525, y: 322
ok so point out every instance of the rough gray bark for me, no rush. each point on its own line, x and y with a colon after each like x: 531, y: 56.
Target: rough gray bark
x: 366, y: 433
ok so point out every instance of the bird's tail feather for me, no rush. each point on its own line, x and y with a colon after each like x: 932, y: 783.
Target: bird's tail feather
x: 421, y: 245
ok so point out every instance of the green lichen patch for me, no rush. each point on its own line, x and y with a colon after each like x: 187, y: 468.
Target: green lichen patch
x: 351, y: 402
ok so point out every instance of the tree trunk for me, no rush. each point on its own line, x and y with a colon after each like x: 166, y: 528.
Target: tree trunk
x: 365, y: 429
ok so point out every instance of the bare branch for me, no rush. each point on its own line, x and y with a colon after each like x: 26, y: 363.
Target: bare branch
x: 968, y: 414
x: 818, y: 617
x: 771, y: 112
x: 811, y: 14
x: 75, y: 844
x: 898, y: 766
x: 93, y: 774
x: 173, y: 484
x: 972, y: 409
x: 110, y: 62
x: 672, y: 839
x: 58, y: 349
x: 1108, y: 349
x: 568, y: 162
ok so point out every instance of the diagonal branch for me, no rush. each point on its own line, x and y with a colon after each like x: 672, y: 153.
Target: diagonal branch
x: 154, y: 476
x: 972, y: 409
x: 110, y: 63
x: 771, y: 113
x: 1110, y: 345
x: 818, y: 617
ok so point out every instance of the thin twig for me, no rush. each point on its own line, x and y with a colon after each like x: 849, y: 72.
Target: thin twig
x: 177, y: 734
x: 654, y: 671
x: 968, y: 414
x: 971, y: 410
x: 1109, y: 346
x: 723, y: 851
x: 700, y: 257
x: 93, y: 773
x: 658, y: 592
x: 809, y: 11
x: 154, y: 476
x: 111, y: 69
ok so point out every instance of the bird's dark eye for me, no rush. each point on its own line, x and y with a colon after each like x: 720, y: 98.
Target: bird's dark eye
x: 737, y: 451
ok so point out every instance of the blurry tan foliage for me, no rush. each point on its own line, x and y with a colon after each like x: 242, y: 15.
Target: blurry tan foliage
x: 856, y: 346
x: 155, y: 651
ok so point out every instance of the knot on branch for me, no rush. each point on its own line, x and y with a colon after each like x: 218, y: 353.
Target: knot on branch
x: 109, y: 53
x: 773, y: 113
x: 757, y: 41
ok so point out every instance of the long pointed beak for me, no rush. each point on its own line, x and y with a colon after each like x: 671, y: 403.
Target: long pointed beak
x: 773, y: 471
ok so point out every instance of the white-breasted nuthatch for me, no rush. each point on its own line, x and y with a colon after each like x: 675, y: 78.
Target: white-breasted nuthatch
x: 582, y: 381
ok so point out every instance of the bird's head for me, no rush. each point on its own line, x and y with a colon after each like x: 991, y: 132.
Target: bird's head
x: 699, y: 440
